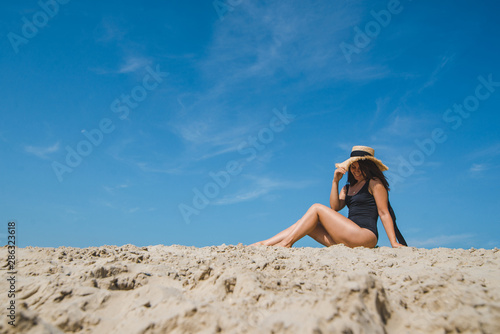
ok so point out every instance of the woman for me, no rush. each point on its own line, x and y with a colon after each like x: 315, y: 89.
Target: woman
x: 366, y: 195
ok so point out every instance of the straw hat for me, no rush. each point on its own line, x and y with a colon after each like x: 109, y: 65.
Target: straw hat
x: 362, y: 153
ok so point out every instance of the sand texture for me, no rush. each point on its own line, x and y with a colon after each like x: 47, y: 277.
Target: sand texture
x: 238, y: 289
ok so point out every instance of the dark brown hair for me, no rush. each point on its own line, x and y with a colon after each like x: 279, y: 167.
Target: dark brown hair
x: 370, y: 171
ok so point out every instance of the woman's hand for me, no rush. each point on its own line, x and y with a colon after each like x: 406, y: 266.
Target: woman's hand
x: 397, y: 245
x: 339, y: 172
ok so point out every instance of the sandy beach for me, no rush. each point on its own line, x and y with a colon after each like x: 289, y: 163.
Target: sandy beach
x: 239, y: 289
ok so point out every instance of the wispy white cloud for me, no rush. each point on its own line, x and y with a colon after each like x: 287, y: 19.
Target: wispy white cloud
x: 133, y: 63
x: 161, y: 169
x: 113, y: 189
x: 118, y: 206
x: 380, y: 104
x: 209, y: 137
x: 213, y: 131
x: 484, y: 159
x: 254, y: 48
x: 263, y: 44
x: 42, y: 152
x: 404, y: 121
x: 476, y: 168
x: 241, y: 197
x: 127, y: 151
x: 132, y: 210
x: 113, y: 31
x: 283, y: 37
x: 435, y: 75
x: 406, y: 127
x: 130, y: 64
x: 492, y: 150
x: 259, y: 187
x: 110, y: 30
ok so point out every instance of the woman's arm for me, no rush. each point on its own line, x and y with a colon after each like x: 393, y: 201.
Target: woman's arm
x: 337, y: 202
x: 381, y: 199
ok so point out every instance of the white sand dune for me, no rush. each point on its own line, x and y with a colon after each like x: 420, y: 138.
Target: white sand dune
x: 238, y: 289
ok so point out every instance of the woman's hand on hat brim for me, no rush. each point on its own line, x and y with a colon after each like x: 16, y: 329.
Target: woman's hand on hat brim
x: 339, y: 172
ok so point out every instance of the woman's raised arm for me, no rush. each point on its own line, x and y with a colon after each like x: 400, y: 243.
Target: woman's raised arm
x: 337, y: 202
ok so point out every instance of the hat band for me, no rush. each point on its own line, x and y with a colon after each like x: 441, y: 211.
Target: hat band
x: 359, y: 154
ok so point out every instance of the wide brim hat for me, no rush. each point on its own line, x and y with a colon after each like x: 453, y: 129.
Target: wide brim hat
x: 362, y: 153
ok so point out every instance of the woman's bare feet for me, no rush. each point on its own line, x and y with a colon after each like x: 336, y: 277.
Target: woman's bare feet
x: 287, y: 242
x: 284, y: 244
x: 259, y: 243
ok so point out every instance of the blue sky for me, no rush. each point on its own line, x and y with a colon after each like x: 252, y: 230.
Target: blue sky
x: 185, y: 122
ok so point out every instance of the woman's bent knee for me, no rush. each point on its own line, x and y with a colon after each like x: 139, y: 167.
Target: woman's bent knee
x: 318, y: 206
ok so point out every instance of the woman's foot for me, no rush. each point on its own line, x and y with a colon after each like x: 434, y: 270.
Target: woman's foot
x: 285, y: 243
x: 260, y: 243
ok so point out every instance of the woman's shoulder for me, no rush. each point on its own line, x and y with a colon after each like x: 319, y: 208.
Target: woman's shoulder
x: 374, y: 181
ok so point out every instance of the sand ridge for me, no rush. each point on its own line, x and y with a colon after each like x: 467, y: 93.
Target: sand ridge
x: 239, y: 289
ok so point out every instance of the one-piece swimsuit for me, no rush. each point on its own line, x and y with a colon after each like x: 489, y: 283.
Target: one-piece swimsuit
x: 363, y: 209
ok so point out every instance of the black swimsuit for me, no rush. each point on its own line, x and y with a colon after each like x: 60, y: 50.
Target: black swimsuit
x: 363, y: 209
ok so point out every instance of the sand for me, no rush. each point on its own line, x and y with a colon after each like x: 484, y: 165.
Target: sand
x: 238, y: 289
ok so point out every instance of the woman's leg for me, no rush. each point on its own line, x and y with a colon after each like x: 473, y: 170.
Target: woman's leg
x: 277, y: 238
x: 338, y: 227
x: 319, y: 234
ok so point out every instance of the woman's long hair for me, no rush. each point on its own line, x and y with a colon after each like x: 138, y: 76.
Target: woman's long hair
x: 370, y: 171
